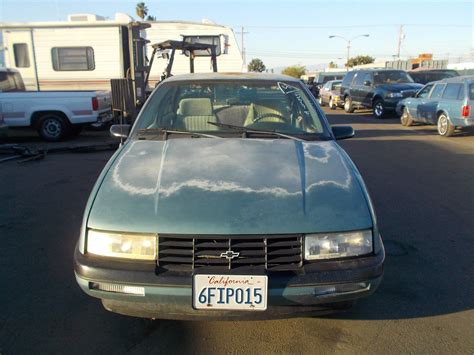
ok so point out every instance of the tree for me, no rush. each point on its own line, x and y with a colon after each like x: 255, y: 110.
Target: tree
x: 151, y: 18
x: 332, y: 64
x: 295, y: 71
x: 141, y: 10
x: 256, y: 65
x: 360, y: 59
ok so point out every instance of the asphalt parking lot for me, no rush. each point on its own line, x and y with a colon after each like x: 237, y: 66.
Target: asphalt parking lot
x: 422, y: 186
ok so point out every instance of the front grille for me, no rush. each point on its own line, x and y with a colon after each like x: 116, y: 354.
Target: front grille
x: 272, y: 253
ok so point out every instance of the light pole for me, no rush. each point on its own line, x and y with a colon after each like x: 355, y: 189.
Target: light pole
x: 349, y: 45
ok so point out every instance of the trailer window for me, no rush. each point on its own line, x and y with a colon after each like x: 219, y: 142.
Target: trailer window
x: 73, y: 58
x: 20, y: 52
x: 215, y: 40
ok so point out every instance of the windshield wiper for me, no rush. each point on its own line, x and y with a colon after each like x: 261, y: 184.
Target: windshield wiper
x: 256, y: 131
x: 165, y: 132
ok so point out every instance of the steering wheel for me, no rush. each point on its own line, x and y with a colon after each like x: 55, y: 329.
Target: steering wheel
x: 269, y: 114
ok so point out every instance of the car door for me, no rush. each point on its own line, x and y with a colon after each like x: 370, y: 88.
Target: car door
x: 367, y: 90
x: 427, y: 110
x: 19, y: 55
x: 357, y: 88
x: 325, y: 92
x: 420, y: 99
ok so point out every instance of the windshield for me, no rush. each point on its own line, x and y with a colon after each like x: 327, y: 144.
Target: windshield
x: 392, y: 77
x: 189, y: 106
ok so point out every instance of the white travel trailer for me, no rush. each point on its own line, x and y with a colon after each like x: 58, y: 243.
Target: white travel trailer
x: 86, y: 51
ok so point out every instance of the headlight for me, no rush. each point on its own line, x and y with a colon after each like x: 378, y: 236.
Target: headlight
x: 394, y: 94
x: 337, y: 245
x: 122, y: 245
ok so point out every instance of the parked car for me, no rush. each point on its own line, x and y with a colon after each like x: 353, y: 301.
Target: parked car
x: 425, y: 76
x: 446, y: 103
x: 322, y: 78
x: 376, y: 89
x: 330, y: 94
x: 186, y: 222
x: 54, y: 114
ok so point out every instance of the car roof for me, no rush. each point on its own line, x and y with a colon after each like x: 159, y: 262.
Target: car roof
x: 455, y: 79
x: 232, y: 76
x: 332, y: 73
x: 431, y: 70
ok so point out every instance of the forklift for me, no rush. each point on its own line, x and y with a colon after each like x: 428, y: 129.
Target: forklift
x: 131, y: 92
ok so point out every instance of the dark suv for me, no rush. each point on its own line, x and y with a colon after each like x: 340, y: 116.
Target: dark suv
x: 377, y: 89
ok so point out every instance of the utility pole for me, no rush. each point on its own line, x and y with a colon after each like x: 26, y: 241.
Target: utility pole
x: 401, y: 36
x: 242, y: 48
x: 348, y: 41
x: 348, y: 54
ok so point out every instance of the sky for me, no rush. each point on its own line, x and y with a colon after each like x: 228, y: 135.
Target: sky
x: 289, y: 32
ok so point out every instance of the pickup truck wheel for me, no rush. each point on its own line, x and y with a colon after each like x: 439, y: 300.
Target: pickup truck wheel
x: 405, y: 118
x: 320, y: 100
x: 445, y: 128
x: 53, y: 127
x: 331, y: 104
x: 348, y: 105
x: 379, y: 109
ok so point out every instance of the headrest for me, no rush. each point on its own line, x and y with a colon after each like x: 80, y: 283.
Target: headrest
x: 195, y: 107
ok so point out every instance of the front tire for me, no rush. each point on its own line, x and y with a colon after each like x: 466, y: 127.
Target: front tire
x: 379, y: 109
x: 348, y: 107
x: 320, y: 100
x: 405, y: 118
x: 445, y: 127
x: 53, y: 127
x: 331, y: 104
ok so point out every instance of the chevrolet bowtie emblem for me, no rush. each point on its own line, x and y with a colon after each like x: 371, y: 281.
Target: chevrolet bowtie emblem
x: 229, y: 255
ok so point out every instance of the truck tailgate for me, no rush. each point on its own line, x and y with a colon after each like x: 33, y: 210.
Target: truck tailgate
x: 104, y: 100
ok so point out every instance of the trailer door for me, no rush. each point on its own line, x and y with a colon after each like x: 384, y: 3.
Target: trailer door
x: 20, y: 55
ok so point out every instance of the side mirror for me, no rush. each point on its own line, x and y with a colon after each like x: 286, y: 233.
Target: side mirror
x: 120, y: 130
x: 367, y: 83
x: 343, y: 132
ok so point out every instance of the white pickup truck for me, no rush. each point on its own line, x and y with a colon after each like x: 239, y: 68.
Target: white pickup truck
x: 54, y: 114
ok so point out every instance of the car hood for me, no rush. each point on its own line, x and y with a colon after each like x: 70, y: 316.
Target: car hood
x: 230, y: 186
x: 400, y: 87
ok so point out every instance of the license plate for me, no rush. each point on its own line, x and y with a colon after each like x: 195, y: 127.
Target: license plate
x: 230, y: 292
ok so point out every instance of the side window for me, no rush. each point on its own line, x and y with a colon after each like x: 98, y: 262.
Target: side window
x: 7, y: 82
x: 359, y: 79
x: 20, y: 53
x: 437, y: 91
x: 452, y: 91
x: 425, y: 91
x: 462, y: 92
x: 326, y: 86
x: 73, y: 58
x: 368, y: 77
x: 348, y: 78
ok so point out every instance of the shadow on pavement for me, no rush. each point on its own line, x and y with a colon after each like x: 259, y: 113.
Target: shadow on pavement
x: 425, y: 218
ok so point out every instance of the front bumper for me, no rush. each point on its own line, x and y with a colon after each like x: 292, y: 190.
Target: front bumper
x: 390, y: 103
x: 317, y: 289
